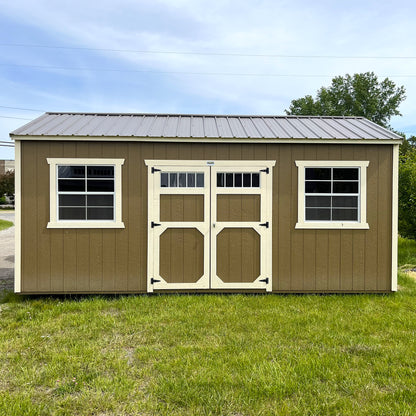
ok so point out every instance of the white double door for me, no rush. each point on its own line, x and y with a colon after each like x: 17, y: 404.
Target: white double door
x: 209, y: 225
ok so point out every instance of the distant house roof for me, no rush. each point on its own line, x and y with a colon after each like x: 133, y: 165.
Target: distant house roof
x: 171, y: 126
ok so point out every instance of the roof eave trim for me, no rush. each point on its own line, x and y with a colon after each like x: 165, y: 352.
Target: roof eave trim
x: 205, y: 139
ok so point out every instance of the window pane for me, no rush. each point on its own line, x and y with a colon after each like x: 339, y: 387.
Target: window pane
x: 71, y: 171
x: 72, y: 213
x: 100, y: 200
x: 238, y: 180
x: 220, y: 180
x: 100, y: 214
x: 318, y: 201
x: 71, y: 185
x: 100, y: 185
x: 345, y: 187
x: 318, y: 214
x: 345, y: 201
x: 71, y: 200
x: 346, y: 174
x: 191, y: 180
x: 173, y: 180
x: 318, y: 173
x: 247, y: 180
x: 229, y: 182
x: 345, y: 215
x: 100, y: 171
x: 182, y: 180
x: 200, y: 180
x: 255, y: 180
x: 317, y: 187
x: 164, y: 180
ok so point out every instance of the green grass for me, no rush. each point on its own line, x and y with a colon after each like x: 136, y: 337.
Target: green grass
x: 407, y: 253
x: 211, y: 354
x: 5, y: 224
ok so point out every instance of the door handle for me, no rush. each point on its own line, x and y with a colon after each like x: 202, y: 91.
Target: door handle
x: 213, y: 225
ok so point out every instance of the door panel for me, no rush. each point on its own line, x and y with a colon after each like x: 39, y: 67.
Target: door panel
x: 209, y: 225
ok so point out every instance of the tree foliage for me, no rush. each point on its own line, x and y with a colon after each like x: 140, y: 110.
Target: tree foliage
x: 357, y: 95
x: 407, y: 188
x: 7, y: 183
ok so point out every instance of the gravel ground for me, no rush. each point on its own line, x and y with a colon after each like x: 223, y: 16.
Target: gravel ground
x: 7, y: 253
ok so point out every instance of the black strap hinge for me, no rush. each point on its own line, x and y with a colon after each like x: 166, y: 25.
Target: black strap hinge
x: 155, y: 170
x: 266, y: 280
x: 153, y: 281
x: 154, y: 224
x: 265, y: 224
x: 265, y: 170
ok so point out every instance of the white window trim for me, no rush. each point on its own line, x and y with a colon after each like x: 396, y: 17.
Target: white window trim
x: 361, y: 224
x: 55, y: 222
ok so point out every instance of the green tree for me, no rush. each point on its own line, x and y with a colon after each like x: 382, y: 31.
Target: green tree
x: 357, y: 95
x: 7, y: 183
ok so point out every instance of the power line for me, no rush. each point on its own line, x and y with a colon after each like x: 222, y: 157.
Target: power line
x: 238, y: 74
x: 20, y: 108
x: 248, y: 55
x: 17, y: 118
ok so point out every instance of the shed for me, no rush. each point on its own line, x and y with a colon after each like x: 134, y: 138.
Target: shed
x: 139, y: 203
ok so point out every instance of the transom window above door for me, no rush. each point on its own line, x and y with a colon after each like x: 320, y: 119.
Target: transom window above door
x: 182, y: 180
x: 238, y: 180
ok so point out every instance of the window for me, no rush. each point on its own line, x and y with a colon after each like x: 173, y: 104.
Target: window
x: 238, y: 180
x: 181, y: 180
x: 332, y: 194
x: 85, y: 193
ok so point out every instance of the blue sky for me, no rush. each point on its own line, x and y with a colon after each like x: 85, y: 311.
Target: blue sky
x: 202, y: 42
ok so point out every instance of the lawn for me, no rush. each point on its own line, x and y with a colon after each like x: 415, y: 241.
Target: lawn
x: 5, y: 224
x: 211, y: 354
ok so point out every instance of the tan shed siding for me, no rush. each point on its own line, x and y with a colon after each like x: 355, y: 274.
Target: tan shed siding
x: 115, y: 260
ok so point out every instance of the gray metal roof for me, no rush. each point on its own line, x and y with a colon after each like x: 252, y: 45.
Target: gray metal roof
x: 202, y: 126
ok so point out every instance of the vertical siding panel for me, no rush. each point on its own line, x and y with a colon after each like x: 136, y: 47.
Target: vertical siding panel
x: 346, y: 238
x: 70, y: 239
x: 334, y: 238
x: 121, y: 236
x: 384, y: 219
x: 358, y: 239
x: 57, y: 238
x: 297, y: 242
x: 371, y: 237
x: 282, y: 210
x: 29, y: 218
x: 309, y: 239
x: 42, y: 206
x: 83, y: 260
x: 322, y: 238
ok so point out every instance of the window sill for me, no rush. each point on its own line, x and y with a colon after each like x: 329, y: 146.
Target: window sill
x: 85, y: 224
x: 332, y: 225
